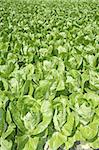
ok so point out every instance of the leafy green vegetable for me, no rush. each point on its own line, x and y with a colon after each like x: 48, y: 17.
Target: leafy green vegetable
x: 49, y: 74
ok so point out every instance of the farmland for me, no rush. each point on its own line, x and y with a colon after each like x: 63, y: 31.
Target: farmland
x: 49, y: 74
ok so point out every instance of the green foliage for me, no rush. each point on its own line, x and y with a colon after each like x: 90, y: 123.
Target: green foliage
x: 49, y: 74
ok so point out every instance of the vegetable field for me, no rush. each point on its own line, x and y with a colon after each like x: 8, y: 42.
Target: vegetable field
x: 49, y: 74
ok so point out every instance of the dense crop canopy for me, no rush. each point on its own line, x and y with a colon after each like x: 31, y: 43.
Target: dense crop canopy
x: 49, y: 74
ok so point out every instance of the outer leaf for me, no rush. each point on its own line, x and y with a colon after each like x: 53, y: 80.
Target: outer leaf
x: 21, y: 141
x: 56, y: 141
x: 69, y: 143
x: 2, y: 120
x: 47, y: 113
x: 16, y: 117
x: 95, y: 144
x: 42, y: 89
x: 32, y: 143
x: 55, y: 120
x: 5, y: 145
x: 90, y: 131
x: 9, y: 131
x: 68, y: 127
